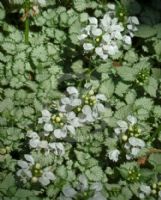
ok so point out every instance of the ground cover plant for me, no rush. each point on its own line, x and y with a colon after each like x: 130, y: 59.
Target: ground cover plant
x: 80, y: 100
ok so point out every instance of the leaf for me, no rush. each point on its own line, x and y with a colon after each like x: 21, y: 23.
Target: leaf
x: 107, y: 87
x: 144, y: 102
x: 152, y: 86
x: 121, y: 89
x: 130, y: 97
x: 145, y: 31
x: 94, y: 174
x: 157, y: 48
x: 126, y: 192
x: 61, y: 172
x: 24, y: 193
x: 8, y: 182
x: 123, y: 112
x: 77, y: 66
x: 126, y: 73
x: 80, y: 5
x: 156, y: 73
x: 131, y: 56
x: 155, y: 160
x: 39, y: 54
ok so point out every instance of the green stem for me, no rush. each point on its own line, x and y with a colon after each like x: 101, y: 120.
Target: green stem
x: 27, y: 7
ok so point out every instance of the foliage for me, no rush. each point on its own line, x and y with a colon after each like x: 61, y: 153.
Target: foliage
x: 80, y: 123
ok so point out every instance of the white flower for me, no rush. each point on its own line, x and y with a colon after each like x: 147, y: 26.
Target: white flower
x: 57, y: 147
x: 88, y: 46
x: 114, y: 154
x: 127, y: 40
x: 87, y: 115
x: 46, y: 115
x: 135, y: 151
x: 82, y: 36
x: 43, y: 144
x: 132, y: 119
x: 146, y: 189
x: 123, y: 125
x: 72, y: 91
x: 136, y: 142
x: 60, y: 133
x: 93, y: 21
x: 101, y: 97
x: 69, y: 191
x: 133, y: 20
x: 111, y: 6
x: 100, y: 53
x: 48, y: 127
x: 96, y: 32
x: 46, y: 177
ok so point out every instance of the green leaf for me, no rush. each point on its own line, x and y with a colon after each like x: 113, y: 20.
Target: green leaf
x: 157, y: 48
x: 77, y: 66
x: 107, y: 87
x: 131, y: 57
x: 155, y: 160
x: 24, y: 193
x: 121, y: 89
x: 8, y: 182
x: 2, y: 14
x: 130, y: 97
x: 126, y: 73
x: 152, y: 86
x: 39, y: 54
x: 156, y: 73
x: 61, y: 172
x: 145, y: 31
x: 144, y: 102
x: 94, y: 173
x: 80, y: 5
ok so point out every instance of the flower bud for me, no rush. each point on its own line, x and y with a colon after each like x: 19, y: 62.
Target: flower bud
x: 34, y: 179
x: 124, y: 138
x: 57, y: 119
x: 37, y: 166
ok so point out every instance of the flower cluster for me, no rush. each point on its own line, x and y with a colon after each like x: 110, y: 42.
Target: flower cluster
x: 142, y: 77
x: 83, y: 190
x: 73, y: 112
x: 147, y: 191
x: 32, y: 171
x: 106, y: 37
x: 128, y: 135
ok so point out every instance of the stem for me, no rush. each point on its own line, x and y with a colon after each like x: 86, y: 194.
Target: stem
x: 27, y: 7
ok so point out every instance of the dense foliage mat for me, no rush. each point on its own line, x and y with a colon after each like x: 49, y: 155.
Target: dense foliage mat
x: 80, y: 100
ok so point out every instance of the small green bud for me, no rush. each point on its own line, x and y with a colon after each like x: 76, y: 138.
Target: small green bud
x: 37, y: 166
x: 91, y: 92
x: 124, y: 138
x: 61, y: 124
x: 34, y: 179
x: 57, y: 119
x: 79, y: 109
x: 154, y: 191
x: 97, y: 39
x: 60, y: 115
x: 3, y: 151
